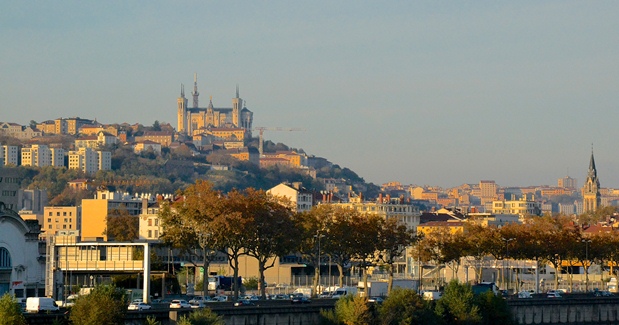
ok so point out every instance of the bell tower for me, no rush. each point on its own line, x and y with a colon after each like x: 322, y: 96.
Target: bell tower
x: 591, y: 191
x: 182, y: 111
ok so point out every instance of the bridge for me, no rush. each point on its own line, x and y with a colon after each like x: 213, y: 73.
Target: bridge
x: 577, y: 309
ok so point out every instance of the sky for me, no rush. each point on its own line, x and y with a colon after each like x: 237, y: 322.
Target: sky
x: 420, y: 92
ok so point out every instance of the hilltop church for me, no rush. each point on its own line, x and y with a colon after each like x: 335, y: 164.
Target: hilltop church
x: 195, y: 120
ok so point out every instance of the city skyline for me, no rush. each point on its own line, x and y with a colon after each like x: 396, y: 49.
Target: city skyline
x: 420, y: 93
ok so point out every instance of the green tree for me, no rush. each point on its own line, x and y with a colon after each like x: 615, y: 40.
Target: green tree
x: 105, y: 304
x: 353, y: 310
x: 405, y: 306
x: 457, y: 305
x: 203, y: 316
x: 10, y: 312
x: 493, y: 309
x: 156, y: 126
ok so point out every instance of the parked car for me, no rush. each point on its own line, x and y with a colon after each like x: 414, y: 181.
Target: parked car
x: 602, y: 293
x: 197, y: 304
x: 199, y: 299
x: 524, y: 294
x: 553, y: 294
x: 220, y: 298
x: 244, y: 302
x: 179, y: 304
x: 376, y: 300
x: 300, y: 299
x: 139, y: 306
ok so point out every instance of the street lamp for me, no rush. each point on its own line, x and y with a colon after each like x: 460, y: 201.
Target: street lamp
x: 318, y: 236
x: 506, y: 240
x: 587, y: 242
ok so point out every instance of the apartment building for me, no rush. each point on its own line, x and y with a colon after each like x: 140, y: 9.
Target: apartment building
x: 9, y: 155
x: 90, y: 161
x: 40, y: 155
x: 300, y: 198
x: 60, y: 218
x: 96, y: 141
x: 164, y: 138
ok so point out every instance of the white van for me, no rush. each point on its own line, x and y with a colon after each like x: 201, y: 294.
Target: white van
x: 40, y: 304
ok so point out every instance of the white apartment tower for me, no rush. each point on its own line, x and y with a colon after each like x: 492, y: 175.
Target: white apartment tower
x: 10, y: 155
x: 90, y: 161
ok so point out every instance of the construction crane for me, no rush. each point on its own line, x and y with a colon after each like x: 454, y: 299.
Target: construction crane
x: 261, y: 130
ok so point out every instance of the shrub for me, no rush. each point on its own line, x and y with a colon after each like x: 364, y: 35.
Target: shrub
x: 105, y: 304
x: 10, y: 311
x: 353, y: 310
x: 457, y: 305
x: 201, y: 317
x: 405, y: 306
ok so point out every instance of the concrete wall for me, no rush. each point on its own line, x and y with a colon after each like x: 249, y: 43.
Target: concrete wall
x: 567, y: 310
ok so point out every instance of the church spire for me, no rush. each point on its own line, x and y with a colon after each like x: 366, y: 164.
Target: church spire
x: 592, y: 170
x: 195, y: 93
x: 182, y: 91
x: 237, y: 90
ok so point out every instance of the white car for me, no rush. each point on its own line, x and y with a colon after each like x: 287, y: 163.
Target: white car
x: 199, y: 299
x: 139, y: 306
x: 196, y: 304
x: 179, y: 304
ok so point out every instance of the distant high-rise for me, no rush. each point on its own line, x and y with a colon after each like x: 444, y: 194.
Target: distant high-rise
x: 191, y: 119
x: 567, y: 182
x: 591, y: 191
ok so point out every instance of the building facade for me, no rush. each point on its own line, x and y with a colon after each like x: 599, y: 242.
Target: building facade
x: 90, y: 161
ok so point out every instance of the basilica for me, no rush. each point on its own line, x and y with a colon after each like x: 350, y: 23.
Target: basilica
x: 196, y: 120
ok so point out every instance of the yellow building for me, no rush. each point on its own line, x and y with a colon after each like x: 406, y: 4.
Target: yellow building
x: 451, y: 227
x: 95, y: 211
x: 60, y: 218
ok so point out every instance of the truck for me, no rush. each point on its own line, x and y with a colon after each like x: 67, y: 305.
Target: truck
x: 340, y: 292
x: 221, y: 282
x: 484, y: 287
x: 375, y: 288
x: 40, y: 304
x: 306, y: 292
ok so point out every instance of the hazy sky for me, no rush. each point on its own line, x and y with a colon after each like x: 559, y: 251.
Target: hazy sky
x: 433, y: 92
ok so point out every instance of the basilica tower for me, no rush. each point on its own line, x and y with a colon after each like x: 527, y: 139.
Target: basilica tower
x: 182, y: 111
x: 237, y: 104
x: 591, y: 191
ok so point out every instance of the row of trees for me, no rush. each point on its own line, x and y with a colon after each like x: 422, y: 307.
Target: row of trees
x: 254, y: 223
x: 559, y: 241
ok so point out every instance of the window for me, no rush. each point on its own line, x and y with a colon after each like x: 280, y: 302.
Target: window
x: 58, y: 215
x: 64, y: 214
x: 50, y: 213
x: 150, y: 222
x: 150, y: 233
x: 49, y: 220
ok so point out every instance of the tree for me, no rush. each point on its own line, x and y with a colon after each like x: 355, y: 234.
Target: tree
x: 188, y: 222
x: 493, y: 309
x: 121, y: 226
x: 204, y: 316
x: 365, y: 229
x: 10, y: 311
x: 156, y: 126
x: 405, y: 306
x: 457, y: 306
x: 105, y: 304
x: 353, y: 310
x: 271, y: 230
x: 393, y: 238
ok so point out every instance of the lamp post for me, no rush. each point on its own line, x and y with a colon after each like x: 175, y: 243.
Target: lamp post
x: 318, y: 236
x: 506, y: 240
x: 586, y: 241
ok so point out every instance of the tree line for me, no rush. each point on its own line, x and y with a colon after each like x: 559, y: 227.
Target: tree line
x: 254, y: 223
x: 561, y: 241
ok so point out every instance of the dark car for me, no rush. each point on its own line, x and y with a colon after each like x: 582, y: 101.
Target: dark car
x: 299, y: 299
x: 244, y: 302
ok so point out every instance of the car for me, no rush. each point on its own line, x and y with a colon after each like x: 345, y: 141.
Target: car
x: 139, y: 306
x: 251, y: 298
x: 300, y: 299
x: 219, y: 298
x: 376, y: 300
x: 244, y: 302
x: 199, y: 299
x: 602, y: 293
x: 197, y: 304
x: 280, y: 297
x: 524, y: 294
x: 179, y: 304
x: 553, y: 294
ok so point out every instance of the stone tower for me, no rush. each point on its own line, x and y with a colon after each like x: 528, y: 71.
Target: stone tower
x: 182, y: 111
x: 591, y: 191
